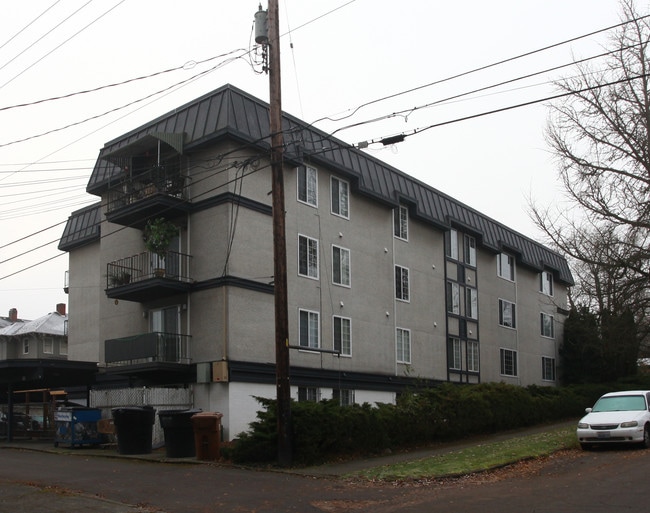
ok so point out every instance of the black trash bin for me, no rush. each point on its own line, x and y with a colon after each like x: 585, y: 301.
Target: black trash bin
x: 134, y: 429
x: 179, y: 432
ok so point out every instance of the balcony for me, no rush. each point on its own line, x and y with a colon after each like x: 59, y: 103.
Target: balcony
x: 148, y: 348
x: 161, y: 190
x: 148, y: 276
x: 162, y: 355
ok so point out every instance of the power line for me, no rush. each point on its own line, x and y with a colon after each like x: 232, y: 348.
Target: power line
x: 28, y: 25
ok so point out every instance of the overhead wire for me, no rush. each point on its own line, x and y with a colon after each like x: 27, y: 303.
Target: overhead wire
x: 28, y: 25
x: 64, y: 42
x: 438, y: 124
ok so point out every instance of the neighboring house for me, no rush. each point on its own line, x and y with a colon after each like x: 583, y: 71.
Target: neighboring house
x: 391, y: 283
x: 43, y: 338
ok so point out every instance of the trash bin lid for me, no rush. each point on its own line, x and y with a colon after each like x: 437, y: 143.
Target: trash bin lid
x: 206, y: 420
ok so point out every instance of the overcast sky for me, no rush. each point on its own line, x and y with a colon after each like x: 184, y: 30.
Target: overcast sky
x: 337, y: 55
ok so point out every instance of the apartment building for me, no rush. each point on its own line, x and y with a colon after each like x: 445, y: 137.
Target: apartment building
x: 391, y: 283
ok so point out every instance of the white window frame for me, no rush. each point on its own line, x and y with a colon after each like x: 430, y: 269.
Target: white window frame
x: 473, y: 356
x: 307, y: 185
x: 345, y: 396
x: 547, y: 325
x: 308, y: 394
x: 25, y: 345
x: 401, y: 223
x: 469, y: 247
x: 508, y: 368
x: 506, y: 266
x: 452, y: 296
x: 548, y: 366
x: 313, y: 329
x: 403, y: 345
x: 456, y: 354
x: 344, y: 344
x: 546, y: 284
x: 63, y: 347
x: 342, y: 255
x: 509, y: 308
x: 402, y: 284
x: 471, y: 303
x: 451, y: 244
x: 340, y: 197
x: 310, y: 257
x: 48, y: 345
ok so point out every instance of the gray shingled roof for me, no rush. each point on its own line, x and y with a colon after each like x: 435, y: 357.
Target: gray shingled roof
x: 230, y: 112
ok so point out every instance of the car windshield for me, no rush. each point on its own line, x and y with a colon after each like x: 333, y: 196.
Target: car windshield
x: 620, y: 403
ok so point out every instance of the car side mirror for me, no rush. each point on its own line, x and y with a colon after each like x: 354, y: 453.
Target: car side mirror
x: 587, y: 410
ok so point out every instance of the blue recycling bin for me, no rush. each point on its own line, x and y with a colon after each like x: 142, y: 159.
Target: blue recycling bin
x: 77, y: 426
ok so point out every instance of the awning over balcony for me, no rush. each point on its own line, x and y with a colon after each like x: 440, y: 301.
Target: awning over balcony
x: 144, y: 144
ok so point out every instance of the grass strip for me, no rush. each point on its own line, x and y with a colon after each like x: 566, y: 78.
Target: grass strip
x: 477, y: 458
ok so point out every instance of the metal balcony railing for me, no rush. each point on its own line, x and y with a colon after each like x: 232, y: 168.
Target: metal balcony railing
x: 155, y: 347
x: 165, y: 180
x: 144, y: 266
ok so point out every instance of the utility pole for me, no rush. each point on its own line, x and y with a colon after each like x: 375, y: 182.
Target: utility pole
x: 279, y: 241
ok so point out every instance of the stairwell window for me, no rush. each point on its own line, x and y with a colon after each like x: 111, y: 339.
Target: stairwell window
x: 340, y: 197
x: 471, y: 303
x: 507, y: 317
x: 307, y: 257
x: 506, y: 266
x: 342, y: 335
x: 453, y: 297
x: 340, y: 266
x: 473, y: 358
x: 508, y: 362
x: 455, y: 354
x: 403, y: 342
x: 547, y: 323
x: 401, y: 222
x: 546, y: 283
x: 309, y: 329
x: 308, y: 185
x: 470, y: 250
x: 548, y: 368
x: 402, y: 283
x: 451, y: 244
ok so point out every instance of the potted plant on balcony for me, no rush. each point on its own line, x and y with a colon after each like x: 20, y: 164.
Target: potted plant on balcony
x: 158, y: 234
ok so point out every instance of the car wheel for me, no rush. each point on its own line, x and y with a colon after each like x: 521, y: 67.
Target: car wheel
x: 585, y: 447
x: 646, y: 437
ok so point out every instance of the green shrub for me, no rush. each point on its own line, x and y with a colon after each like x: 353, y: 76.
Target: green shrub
x: 326, y: 431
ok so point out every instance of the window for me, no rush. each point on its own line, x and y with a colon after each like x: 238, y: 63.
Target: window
x: 472, y: 356
x: 548, y: 368
x: 507, y: 314
x: 165, y: 320
x: 308, y: 185
x: 508, y: 362
x: 308, y: 394
x: 25, y: 346
x: 470, y: 250
x: 344, y: 396
x: 401, y: 222
x: 309, y: 330
x: 340, y: 197
x: 453, y: 297
x: 403, y: 345
x: 547, y: 325
x: 63, y: 347
x: 341, y: 266
x: 48, y: 346
x: 455, y: 354
x: 401, y: 283
x: 451, y: 244
x: 506, y: 266
x: 342, y: 335
x: 307, y: 257
x: 471, y: 303
x: 546, y: 283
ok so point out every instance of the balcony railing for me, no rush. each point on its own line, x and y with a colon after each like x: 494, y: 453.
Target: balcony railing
x: 155, y: 347
x: 145, y: 266
x: 164, y: 180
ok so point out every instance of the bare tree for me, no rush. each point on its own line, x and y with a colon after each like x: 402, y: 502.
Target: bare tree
x: 600, y: 135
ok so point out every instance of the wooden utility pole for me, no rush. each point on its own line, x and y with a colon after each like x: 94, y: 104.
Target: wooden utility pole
x: 279, y: 242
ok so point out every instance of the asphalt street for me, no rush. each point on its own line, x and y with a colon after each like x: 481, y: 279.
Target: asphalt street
x: 84, y: 480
